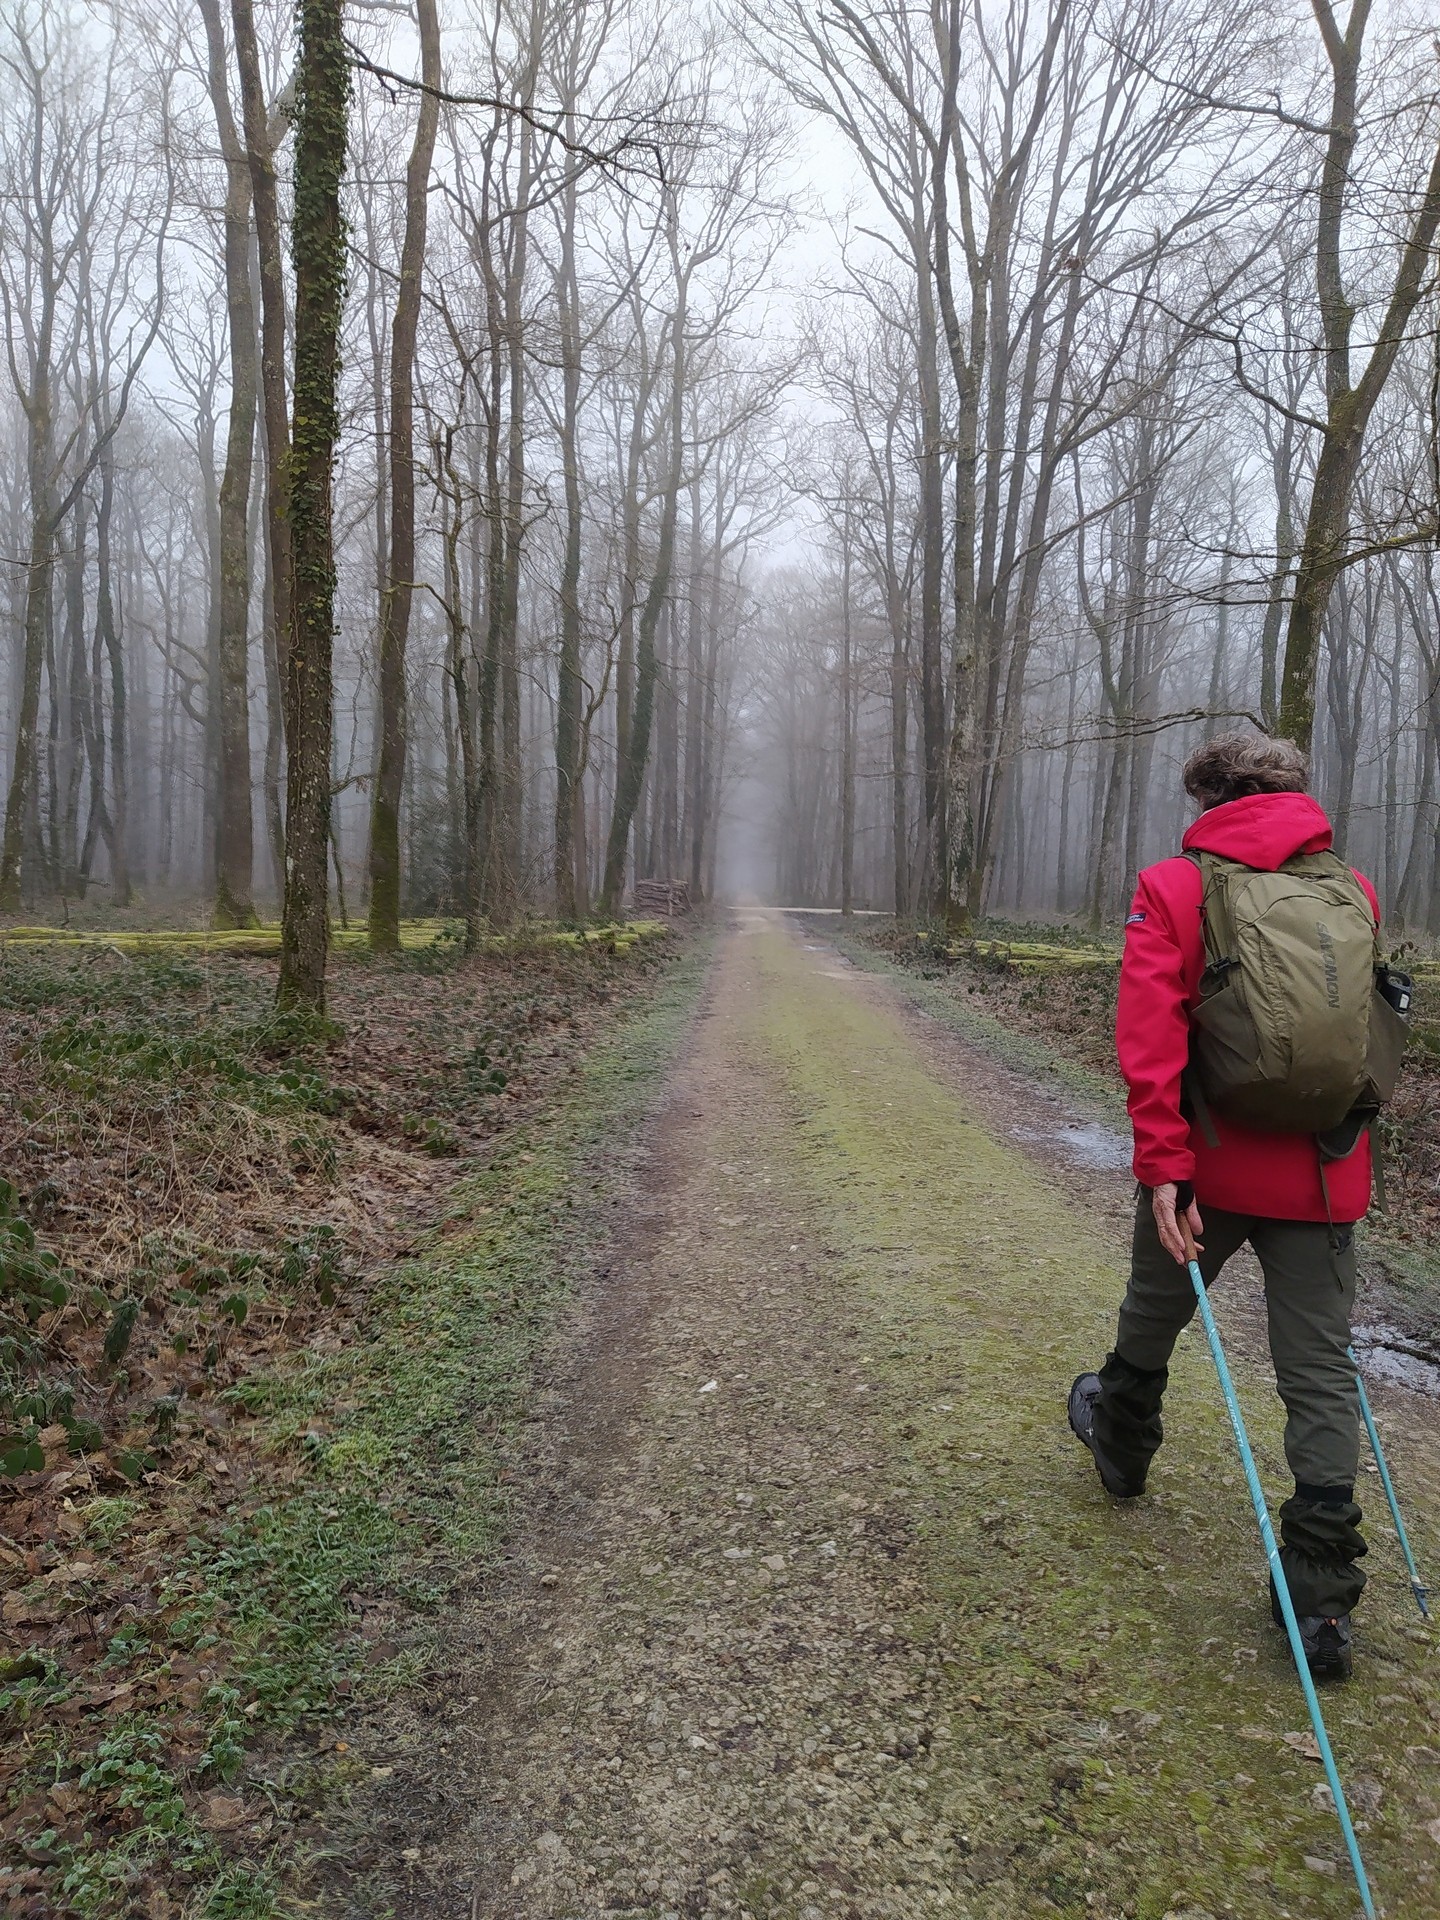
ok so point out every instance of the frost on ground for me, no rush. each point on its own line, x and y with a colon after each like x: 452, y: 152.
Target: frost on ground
x: 822, y: 1612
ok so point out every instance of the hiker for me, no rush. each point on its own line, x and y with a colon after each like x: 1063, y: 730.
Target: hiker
x: 1209, y: 1179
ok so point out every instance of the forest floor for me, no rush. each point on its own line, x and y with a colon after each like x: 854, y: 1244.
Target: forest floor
x: 816, y: 1609
x: 270, y: 1290
x: 694, y: 1529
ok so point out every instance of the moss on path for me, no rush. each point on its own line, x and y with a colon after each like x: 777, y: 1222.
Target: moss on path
x: 848, y: 1627
x: 1126, y: 1674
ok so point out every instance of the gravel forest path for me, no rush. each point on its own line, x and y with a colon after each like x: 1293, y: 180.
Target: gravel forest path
x: 823, y: 1613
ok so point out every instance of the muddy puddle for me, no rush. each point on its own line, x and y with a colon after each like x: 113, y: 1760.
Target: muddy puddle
x: 1387, y: 1353
x: 1084, y: 1143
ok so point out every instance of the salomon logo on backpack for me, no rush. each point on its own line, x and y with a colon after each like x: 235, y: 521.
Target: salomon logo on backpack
x: 1295, y: 1030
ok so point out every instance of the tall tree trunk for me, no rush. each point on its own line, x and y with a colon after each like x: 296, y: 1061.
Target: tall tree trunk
x: 260, y: 144
x: 1279, y: 579
x: 234, y: 829
x: 695, y: 745
x: 568, y: 691
x: 630, y: 773
x: 71, y: 720
x: 115, y: 823
x: 318, y: 253
x: 37, y: 619
x: 847, y: 736
x: 1067, y: 782
x: 458, y: 667
x: 399, y: 587
x: 1408, y: 903
x: 899, y: 762
x: 492, y: 896
x: 501, y: 672
x: 273, y: 651
x: 936, y: 880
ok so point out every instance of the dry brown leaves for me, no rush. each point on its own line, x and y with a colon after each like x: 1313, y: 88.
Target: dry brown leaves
x: 185, y: 1194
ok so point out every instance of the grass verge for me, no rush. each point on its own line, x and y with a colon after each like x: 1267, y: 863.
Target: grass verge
x: 1001, y: 1012
x: 1057, y: 1024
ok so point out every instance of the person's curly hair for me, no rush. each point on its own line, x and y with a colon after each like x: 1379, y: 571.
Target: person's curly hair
x: 1232, y: 765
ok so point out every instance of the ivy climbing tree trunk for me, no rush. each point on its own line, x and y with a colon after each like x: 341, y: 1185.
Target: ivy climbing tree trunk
x: 317, y: 250
x: 400, y: 584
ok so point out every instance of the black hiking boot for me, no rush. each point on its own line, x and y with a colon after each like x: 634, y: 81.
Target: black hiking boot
x: 1083, y: 1396
x: 1325, y: 1638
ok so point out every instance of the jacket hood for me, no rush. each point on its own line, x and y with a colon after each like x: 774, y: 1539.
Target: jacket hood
x: 1263, y: 830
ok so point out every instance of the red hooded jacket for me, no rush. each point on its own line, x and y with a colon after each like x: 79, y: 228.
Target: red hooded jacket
x: 1276, y: 1175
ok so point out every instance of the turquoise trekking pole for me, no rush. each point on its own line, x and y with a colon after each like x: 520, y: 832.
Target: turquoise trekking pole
x: 1277, y: 1574
x: 1417, y: 1585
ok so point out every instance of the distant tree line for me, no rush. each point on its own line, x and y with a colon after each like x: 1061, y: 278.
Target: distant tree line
x: 436, y: 478
x: 522, y: 248
x: 1129, y: 378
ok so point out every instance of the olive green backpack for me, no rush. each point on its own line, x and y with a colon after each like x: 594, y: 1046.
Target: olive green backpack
x: 1299, y: 1026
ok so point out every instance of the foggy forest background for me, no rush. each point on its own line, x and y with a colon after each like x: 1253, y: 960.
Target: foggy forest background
x: 843, y: 449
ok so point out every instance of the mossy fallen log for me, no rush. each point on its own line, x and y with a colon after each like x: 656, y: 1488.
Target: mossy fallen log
x: 415, y: 936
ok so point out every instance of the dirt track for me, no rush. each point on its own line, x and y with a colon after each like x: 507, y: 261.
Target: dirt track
x: 821, y: 1612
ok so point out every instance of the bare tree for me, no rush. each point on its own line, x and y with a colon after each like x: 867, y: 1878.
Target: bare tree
x: 400, y: 584
x: 74, y: 185
x: 1349, y: 402
x: 234, y: 843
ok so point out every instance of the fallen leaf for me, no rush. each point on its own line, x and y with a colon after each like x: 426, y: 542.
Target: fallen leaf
x: 224, y: 1812
x: 21, y: 1609
x: 69, y: 1570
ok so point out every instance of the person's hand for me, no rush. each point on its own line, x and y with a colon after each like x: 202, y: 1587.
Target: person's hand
x: 1176, y: 1227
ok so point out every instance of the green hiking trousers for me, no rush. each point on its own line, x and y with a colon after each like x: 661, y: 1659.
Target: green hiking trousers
x: 1309, y: 1273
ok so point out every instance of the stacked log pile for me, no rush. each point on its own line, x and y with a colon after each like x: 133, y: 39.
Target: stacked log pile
x: 669, y: 897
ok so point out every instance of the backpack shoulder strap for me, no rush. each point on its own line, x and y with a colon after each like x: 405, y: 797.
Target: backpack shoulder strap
x: 1192, y: 1094
x: 1211, y: 868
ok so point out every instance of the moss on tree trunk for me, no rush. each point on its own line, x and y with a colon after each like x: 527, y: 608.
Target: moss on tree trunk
x: 317, y: 248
